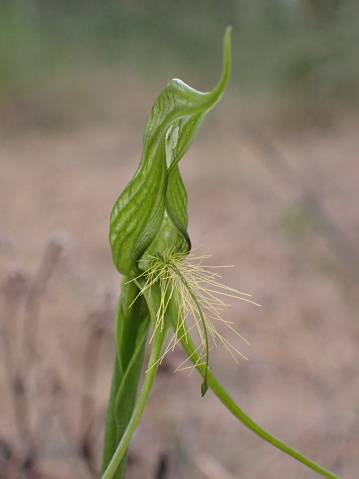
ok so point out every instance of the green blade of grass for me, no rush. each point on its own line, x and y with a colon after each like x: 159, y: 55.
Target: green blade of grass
x: 187, y: 344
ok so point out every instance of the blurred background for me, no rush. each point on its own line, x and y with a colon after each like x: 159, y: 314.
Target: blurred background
x: 273, y: 184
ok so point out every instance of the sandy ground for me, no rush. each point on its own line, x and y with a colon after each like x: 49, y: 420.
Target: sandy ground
x: 281, y: 206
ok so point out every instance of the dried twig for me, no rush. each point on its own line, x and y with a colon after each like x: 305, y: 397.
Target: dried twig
x: 14, y: 290
x: 99, y: 320
x: 37, y: 288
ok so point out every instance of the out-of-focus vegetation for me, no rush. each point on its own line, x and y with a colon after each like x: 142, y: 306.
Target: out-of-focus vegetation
x: 305, y: 51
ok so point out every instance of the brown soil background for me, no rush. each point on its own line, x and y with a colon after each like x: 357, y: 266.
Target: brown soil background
x: 280, y: 204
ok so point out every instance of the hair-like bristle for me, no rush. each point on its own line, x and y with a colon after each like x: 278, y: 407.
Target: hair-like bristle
x: 201, y: 298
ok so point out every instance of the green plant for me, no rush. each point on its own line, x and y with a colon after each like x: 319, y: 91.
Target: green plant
x: 162, y: 286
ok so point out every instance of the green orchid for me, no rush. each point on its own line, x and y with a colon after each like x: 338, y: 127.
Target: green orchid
x: 165, y: 288
x: 151, y: 213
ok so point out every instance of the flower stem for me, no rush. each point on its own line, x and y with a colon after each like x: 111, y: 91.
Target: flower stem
x: 155, y: 354
x: 131, y: 328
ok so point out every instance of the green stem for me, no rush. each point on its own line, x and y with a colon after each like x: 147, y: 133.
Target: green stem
x: 153, y: 362
x: 131, y: 327
x: 224, y: 397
